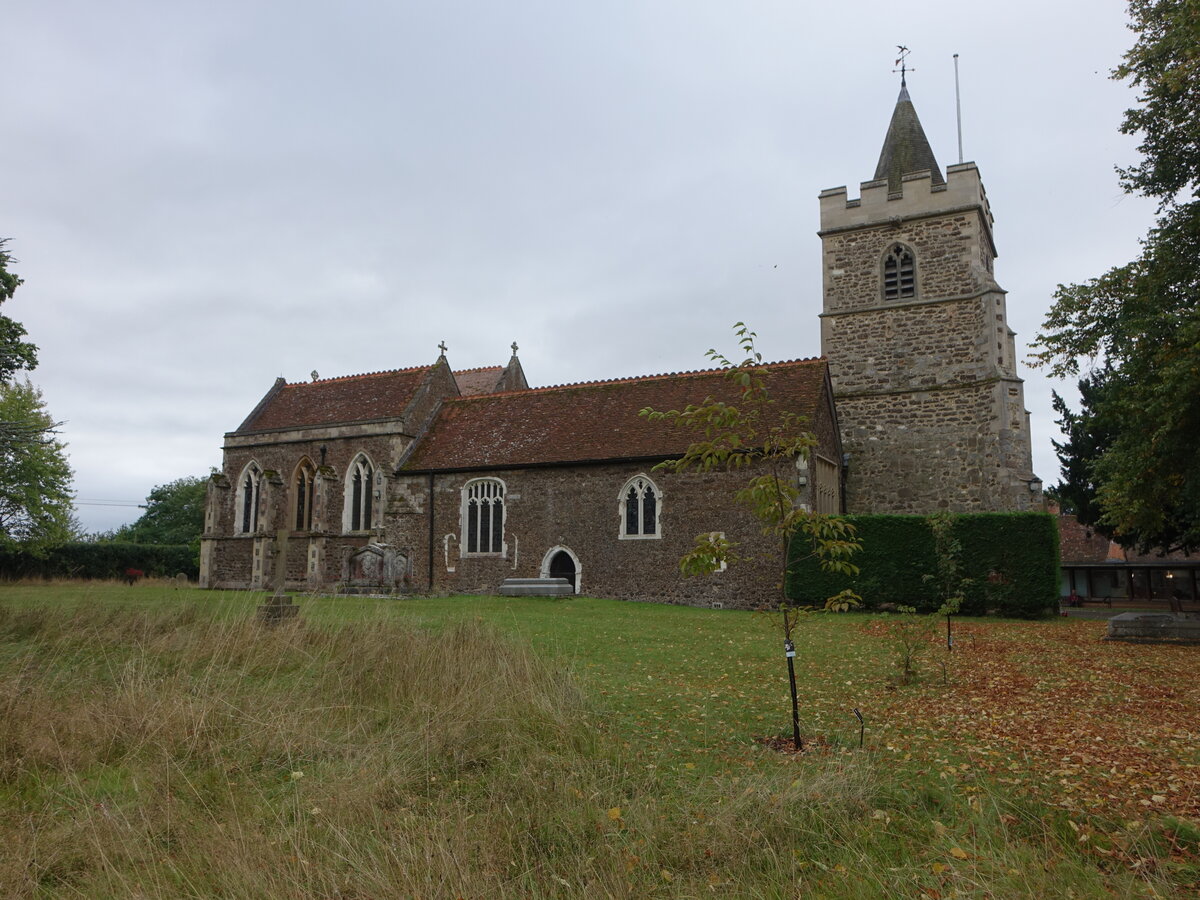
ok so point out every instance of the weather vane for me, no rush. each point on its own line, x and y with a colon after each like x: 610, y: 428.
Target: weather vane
x: 901, y: 62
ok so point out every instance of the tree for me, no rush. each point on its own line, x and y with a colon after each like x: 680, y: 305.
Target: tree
x: 1138, y: 325
x: 15, y: 354
x: 35, y: 478
x: 758, y: 436
x: 174, y: 514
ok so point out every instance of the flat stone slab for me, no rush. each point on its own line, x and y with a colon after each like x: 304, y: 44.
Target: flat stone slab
x: 1154, y: 628
x: 536, y: 587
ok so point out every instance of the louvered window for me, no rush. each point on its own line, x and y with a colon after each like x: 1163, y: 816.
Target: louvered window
x: 899, y: 274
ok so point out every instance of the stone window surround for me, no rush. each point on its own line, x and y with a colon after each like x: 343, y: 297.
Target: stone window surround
x: 622, y: 508
x: 252, y: 472
x: 303, y: 494
x: 362, y: 464
x: 472, y: 487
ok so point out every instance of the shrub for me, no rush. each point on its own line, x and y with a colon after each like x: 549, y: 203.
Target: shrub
x: 99, y: 560
x: 1010, y: 559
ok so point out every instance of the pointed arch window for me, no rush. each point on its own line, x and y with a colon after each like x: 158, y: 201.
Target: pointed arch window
x: 899, y: 273
x: 641, y: 509
x: 360, y: 493
x: 483, y: 516
x: 249, y: 499
x: 302, y: 496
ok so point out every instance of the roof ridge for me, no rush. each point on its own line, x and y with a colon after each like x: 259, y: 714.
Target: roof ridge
x: 356, y: 375
x: 479, y: 369
x: 629, y: 379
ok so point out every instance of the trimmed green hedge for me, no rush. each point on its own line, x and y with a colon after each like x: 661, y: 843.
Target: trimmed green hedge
x: 100, y: 560
x: 1011, y: 559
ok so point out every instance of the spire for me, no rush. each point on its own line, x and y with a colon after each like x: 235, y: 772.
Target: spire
x: 905, y: 149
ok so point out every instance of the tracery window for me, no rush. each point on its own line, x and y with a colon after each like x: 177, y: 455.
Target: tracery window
x: 249, y: 499
x: 302, y: 495
x: 899, y: 273
x: 360, y: 494
x: 483, y: 516
x: 640, y: 508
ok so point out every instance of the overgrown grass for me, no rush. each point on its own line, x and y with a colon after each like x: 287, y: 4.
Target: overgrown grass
x: 166, y: 745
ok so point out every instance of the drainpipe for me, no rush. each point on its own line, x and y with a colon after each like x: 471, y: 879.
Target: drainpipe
x: 431, y: 532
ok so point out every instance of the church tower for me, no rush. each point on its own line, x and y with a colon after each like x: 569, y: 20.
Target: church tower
x: 914, y: 327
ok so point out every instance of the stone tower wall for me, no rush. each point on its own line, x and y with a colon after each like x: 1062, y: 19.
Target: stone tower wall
x: 931, y: 409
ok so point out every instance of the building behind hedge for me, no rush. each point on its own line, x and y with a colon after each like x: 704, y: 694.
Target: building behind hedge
x: 427, y: 479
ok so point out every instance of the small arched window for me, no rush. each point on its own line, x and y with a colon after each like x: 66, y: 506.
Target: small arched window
x: 302, y: 495
x: 640, y: 508
x: 899, y: 273
x: 360, y: 492
x: 249, y: 499
x: 483, y: 516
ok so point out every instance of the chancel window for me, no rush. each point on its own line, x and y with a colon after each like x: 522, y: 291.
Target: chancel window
x: 640, y: 508
x: 360, y: 494
x: 899, y: 273
x: 483, y: 516
x: 302, y: 496
x: 249, y: 500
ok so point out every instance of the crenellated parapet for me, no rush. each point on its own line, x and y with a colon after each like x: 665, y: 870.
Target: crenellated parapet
x: 918, y: 197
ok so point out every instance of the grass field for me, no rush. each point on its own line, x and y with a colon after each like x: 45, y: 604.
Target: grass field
x: 157, y: 742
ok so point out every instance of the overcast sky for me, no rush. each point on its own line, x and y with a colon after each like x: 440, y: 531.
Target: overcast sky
x: 204, y: 196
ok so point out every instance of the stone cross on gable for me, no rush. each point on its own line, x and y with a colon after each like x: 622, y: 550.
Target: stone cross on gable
x: 514, y: 346
x: 442, y: 347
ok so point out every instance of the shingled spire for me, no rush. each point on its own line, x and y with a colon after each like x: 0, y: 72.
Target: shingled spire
x: 905, y: 149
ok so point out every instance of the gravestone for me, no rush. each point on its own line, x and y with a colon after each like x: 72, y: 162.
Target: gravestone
x: 375, y: 568
x: 536, y: 587
x: 1154, y: 628
x: 280, y: 606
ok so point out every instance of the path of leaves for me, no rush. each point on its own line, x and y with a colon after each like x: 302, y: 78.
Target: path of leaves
x: 1057, y: 712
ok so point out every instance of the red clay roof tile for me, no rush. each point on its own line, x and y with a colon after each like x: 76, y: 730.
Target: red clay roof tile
x: 593, y: 420
x: 472, y: 382
x: 334, y: 401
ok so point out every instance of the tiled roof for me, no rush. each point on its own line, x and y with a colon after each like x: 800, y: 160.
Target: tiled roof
x: 332, y: 401
x: 906, y: 149
x: 591, y: 421
x: 472, y: 382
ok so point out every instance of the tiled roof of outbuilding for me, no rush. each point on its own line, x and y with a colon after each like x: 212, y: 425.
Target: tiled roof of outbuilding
x: 591, y: 421
x: 334, y: 401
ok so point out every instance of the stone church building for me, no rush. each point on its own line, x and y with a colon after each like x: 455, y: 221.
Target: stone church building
x: 431, y: 480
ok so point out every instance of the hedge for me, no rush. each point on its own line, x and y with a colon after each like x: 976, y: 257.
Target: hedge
x: 1011, y: 559
x: 99, y: 560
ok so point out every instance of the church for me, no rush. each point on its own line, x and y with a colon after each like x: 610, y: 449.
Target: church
x: 432, y: 480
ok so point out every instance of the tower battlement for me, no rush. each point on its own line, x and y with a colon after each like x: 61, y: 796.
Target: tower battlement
x: 919, y: 195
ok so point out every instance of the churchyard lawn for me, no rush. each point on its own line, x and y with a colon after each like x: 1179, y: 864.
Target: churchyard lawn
x: 158, y: 742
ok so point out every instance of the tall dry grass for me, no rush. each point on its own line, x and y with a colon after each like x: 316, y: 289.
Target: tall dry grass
x: 176, y: 754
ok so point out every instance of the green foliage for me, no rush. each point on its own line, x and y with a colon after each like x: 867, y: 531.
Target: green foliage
x: 1010, y: 559
x: 1164, y: 65
x: 949, y: 580
x: 1133, y: 444
x: 90, y: 559
x: 174, y: 514
x: 757, y: 433
x: 35, y: 478
x: 15, y: 354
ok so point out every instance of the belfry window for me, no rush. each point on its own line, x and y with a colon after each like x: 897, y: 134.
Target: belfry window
x: 640, y: 508
x: 360, y: 493
x: 483, y: 516
x: 302, y: 496
x: 899, y: 273
x: 249, y: 500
